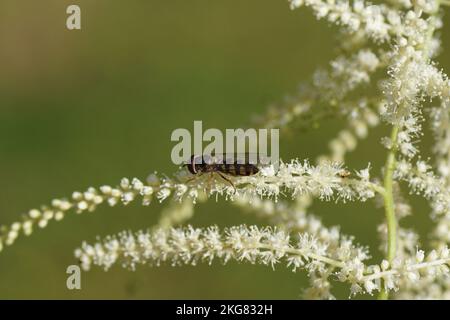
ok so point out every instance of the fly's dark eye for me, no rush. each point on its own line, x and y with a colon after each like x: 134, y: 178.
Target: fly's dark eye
x: 191, y: 168
x: 191, y: 165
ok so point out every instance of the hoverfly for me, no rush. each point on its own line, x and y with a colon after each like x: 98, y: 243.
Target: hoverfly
x: 224, y: 165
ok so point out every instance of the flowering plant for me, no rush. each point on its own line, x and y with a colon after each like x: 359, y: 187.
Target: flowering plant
x: 397, y: 39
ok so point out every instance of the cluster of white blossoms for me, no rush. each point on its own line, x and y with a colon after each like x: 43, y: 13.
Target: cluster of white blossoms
x: 377, y: 21
x: 388, y: 47
x: 328, y: 87
x: 291, y: 179
x: 267, y: 246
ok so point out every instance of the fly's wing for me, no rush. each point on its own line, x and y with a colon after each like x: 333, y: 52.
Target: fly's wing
x: 201, y: 159
x: 255, y: 159
x: 194, y: 159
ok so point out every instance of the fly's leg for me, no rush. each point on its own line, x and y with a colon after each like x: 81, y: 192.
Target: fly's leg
x: 190, y: 180
x: 227, y: 180
x: 194, y: 178
x: 208, y: 183
x: 198, y: 176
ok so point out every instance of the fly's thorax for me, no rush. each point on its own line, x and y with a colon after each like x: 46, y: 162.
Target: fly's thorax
x: 194, y: 164
x: 200, y: 163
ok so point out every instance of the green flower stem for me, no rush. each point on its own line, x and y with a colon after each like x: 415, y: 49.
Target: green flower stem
x: 389, y: 203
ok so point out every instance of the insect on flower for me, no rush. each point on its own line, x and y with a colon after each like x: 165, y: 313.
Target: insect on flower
x: 224, y: 165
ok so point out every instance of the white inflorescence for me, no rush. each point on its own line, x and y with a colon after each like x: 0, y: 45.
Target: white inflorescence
x: 377, y: 21
x: 294, y: 178
x: 267, y: 246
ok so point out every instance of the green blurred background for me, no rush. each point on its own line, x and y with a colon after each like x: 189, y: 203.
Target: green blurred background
x: 86, y: 108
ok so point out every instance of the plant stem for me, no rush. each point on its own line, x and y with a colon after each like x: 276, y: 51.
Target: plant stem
x: 389, y: 203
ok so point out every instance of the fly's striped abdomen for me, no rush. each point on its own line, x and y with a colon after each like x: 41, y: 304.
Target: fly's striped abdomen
x: 236, y: 169
x: 230, y: 166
